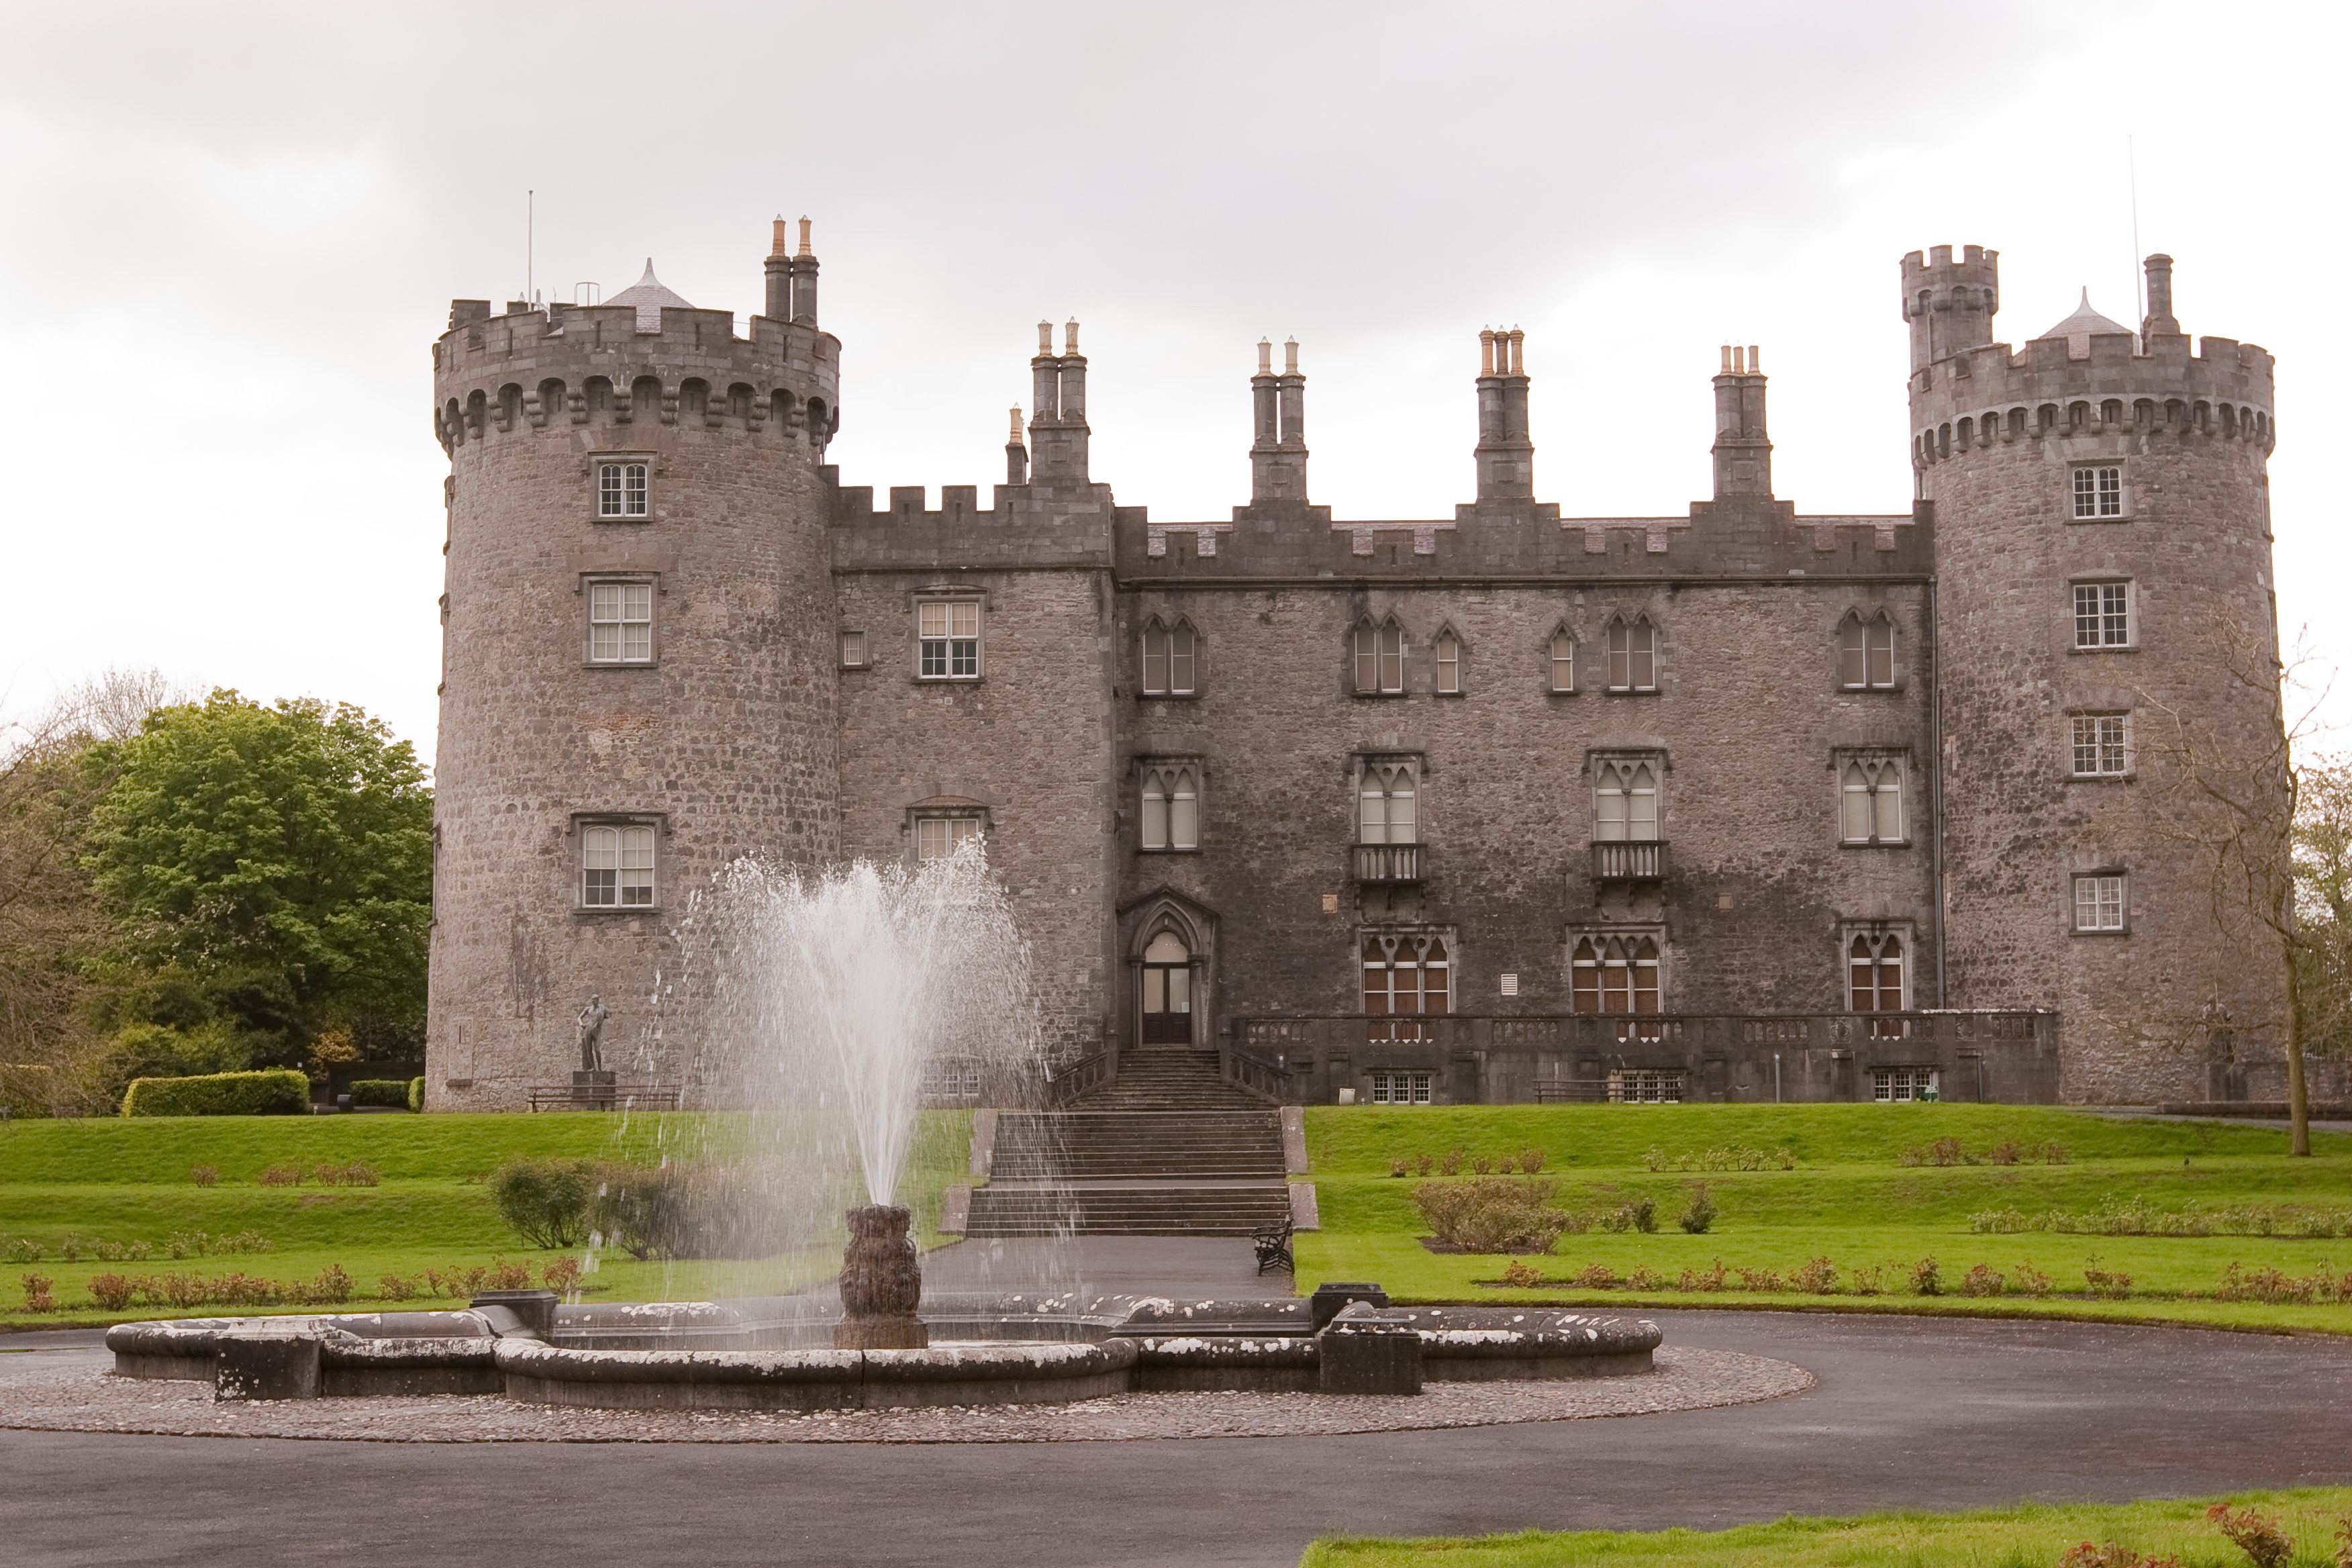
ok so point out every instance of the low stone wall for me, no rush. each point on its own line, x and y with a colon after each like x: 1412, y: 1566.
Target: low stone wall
x: 815, y: 1379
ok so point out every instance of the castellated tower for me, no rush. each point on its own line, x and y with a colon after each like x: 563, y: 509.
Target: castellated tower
x: 2106, y: 621
x: 638, y: 680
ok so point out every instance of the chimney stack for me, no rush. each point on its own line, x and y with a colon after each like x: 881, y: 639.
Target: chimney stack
x: 1016, y: 455
x: 1743, y: 452
x: 1279, y: 455
x: 2160, y: 321
x: 804, y: 279
x: 1504, y: 455
x: 779, y: 269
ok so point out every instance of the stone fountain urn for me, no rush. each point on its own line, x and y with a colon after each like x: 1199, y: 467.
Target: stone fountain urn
x: 881, y: 1284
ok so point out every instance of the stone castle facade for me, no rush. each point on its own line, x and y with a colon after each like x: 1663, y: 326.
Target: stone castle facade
x: 1744, y: 802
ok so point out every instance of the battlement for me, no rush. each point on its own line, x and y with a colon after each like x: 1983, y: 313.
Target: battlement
x: 2223, y: 391
x: 1949, y: 304
x: 528, y: 368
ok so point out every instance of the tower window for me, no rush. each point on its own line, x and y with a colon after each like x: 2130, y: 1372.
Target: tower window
x: 1625, y: 803
x: 2099, y: 491
x: 1379, y: 658
x: 1867, y: 653
x: 1870, y: 808
x: 621, y: 490
x: 616, y: 866
x: 2099, y: 903
x: 2102, y: 745
x: 948, y: 631
x: 1449, y: 664
x: 2103, y: 615
x: 619, y: 623
x: 1563, y: 662
x: 1171, y: 808
x: 1632, y: 655
x: 1171, y: 659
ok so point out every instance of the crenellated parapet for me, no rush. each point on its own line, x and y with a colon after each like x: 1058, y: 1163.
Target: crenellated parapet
x: 625, y: 364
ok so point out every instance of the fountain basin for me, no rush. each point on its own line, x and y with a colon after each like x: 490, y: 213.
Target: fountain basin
x: 1045, y: 1373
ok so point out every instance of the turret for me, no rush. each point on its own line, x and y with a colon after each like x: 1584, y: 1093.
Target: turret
x: 1743, y: 453
x: 1948, y: 303
x: 1506, y: 457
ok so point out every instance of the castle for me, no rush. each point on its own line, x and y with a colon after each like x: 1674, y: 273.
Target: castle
x: 1740, y: 804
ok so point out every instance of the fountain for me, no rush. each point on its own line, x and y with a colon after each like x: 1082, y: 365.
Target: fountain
x: 825, y: 996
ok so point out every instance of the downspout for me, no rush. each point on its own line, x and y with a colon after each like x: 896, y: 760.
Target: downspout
x: 1935, y: 781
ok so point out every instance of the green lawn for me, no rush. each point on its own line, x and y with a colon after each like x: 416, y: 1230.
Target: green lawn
x: 2034, y: 1535
x: 84, y: 1182
x: 1850, y: 1199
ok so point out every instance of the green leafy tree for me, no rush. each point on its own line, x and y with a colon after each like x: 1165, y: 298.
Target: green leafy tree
x: 267, y: 865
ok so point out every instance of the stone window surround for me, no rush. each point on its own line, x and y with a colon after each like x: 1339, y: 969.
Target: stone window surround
x: 2102, y: 869
x: 1549, y: 653
x: 1437, y: 662
x: 1629, y: 932
x: 2076, y: 465
x: 1901, y: 757
x: 865, y: 649
x: 1379, y: 626
x: 1629, y: 618
x: 657, y: 820
x: 2132, y: 608
x: 1172, y: 761
x: 1361, y: 762
x: 2116, y: 705
x: 652, y: 461
x: 586, y: 591
x: 942, y: 808
x: 939, y: 593
x: 1866, y: 615
x: 1597, y: 758
x: 1168, y: 626
x: 1847, y: 929
x: 1402, y: 932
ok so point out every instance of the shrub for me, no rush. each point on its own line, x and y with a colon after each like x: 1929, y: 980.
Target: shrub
x: 331, y: 1288
x: 396, y: 1287
x: 1423, y: 1163
x: 281, y: 1176
x: 1699, y: 1213
x: 1452, y: 1162
x: 358, y: 1174
x: 2267, y: 1284
x: 1642, y: 1213
x: 1981, y: 1280
x: 1492, y: 1214
x: 24, y: 1249
x: 1645, y: 1278
x: 37, y: 1293
x: 2005, y: 1152
x: 2112, y: 1554
x: 1759, y: 1279
x: 1866, y: 1280
x: 1396, y: 1167
x: 1482, y: 1166
x: 565, y: 1273
x: 1507, y: 1165
x: 2344, y: 1543
x: 111, y: 1292
x: 1596, y: 1276
x: 278, y: 1092
x: 197, y: 1242
x: 1735, y: 1159
x: 2105, y: 1282
x: 1815, y: 1276
x: 1927, y: 1280
x: 2030, y: 1281
x: 1694, y: 1280
x: 417, y: 1094
x: 646, y: 1212
x: 1531, y: 1161
x: 2255, y: 1534
x: 1942, y: 1152
x: 393, y: 1091
x: 545, y: 1202
x: 204, y: 1175
x: 1522, y: 1275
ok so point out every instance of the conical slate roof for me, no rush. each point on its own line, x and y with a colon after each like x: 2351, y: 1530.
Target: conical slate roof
x: 650, y: 290
x: 2076, y: 329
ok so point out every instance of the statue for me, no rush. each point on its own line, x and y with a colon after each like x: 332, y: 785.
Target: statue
x: 592, y: 1028
x: 881, y: 1284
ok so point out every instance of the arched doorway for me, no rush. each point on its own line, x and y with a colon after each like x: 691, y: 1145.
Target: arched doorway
x: 1167, y: 991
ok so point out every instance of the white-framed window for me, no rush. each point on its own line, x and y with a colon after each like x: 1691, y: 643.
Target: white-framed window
x: 2099, y: 901
x: 1625, y: 801
x: 946, y: 632
x: 1876, y: 974
x: 2102, y: 745
x: 1616, y: 974
x: 619, y: 623
x: 1408, y: 977
x: 1870, y: 800
x: 1172, y: 659
x: 1449, y: 664
x: 1380, y: 657
x: 1401, y: 1087
x: 2099, y: 491
x: 1171, y: 806
x: 1563, y: 662
x: 853, y: 650
x: 616, y: 865
x: 1901, y: 1085
x: 622, y: 488
x: 2103, y: 615
x: 936, y: 838
x: 1632, y: 655
x: 1387, y: 806
x: 1867, y: 653
x: 1645, y: 1086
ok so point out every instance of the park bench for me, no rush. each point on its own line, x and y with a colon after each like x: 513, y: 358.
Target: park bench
x: 605, y: 1097
x: 1273, y: 1244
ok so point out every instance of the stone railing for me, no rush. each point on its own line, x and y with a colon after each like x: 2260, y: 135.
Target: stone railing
x: 2008, y: 1056
x: 1257, y: 1075
x: 1067, y: 1081
x: 1629, y: 861
x: 1389, y: 862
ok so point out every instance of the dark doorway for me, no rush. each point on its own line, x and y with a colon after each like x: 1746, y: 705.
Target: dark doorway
x: 1167, y: 991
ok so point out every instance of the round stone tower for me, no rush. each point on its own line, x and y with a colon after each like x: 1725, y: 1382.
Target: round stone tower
x: 2107, y: 642
x: 639, y: 663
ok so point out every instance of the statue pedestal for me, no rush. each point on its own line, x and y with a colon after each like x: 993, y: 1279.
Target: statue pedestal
x: 594, y: 1087
x: 881, y: 1284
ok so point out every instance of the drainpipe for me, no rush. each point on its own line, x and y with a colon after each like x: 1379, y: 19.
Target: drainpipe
x: 1936, y: 784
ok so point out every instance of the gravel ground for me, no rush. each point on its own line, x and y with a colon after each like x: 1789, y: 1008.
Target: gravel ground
x: 84, y: 1398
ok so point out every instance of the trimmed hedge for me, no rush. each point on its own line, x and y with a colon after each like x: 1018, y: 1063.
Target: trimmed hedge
x: 379, y: 1091
x: 417, y: 1094
x: 278, y: 1093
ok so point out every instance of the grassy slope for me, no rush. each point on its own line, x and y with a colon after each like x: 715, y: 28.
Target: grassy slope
x: 122, y: 1181
x: 2033, y: 1534
x: 1849, y: 1199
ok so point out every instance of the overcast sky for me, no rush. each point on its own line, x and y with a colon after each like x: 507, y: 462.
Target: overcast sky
x: 231, y: 232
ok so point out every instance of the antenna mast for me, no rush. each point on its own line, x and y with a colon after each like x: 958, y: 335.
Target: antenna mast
x: 531, y: 239
x: 2131, y: 160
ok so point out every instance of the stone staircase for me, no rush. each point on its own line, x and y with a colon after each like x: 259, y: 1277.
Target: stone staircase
x: 1168, y: 1148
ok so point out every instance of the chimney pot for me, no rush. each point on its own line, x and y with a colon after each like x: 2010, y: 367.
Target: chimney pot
x: 1290, y: 356
x: 804, y: 238
x: 776, y: 246
x: 1045, y: 338
x: 1070, y: 336
x: 1755, y: 360
x: 1265, y: 356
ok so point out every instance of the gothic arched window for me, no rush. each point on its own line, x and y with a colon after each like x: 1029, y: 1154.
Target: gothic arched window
x: 1563, y: 661
x: 1407, y: 976
x: 1866, y: 652
x: 1875, y: 972
x: 1380, y: 657
x: 1386, y: 809
x: 1171, y: 659
x: 1870, y: 803
x: 1614, y: 975
x: 1632, y: 655
x: 1171, y: 807
x: 1625, y: 803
